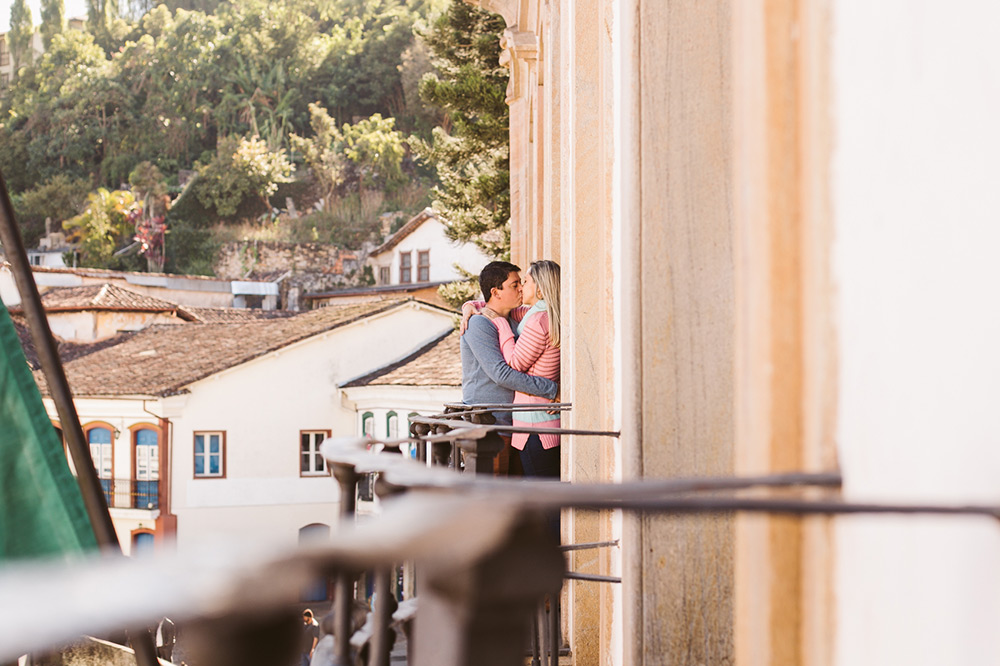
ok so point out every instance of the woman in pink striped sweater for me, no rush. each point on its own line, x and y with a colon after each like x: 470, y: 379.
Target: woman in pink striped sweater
x: 534, y: 349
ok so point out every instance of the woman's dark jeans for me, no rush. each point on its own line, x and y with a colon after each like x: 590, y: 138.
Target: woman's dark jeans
x: 542, y: 463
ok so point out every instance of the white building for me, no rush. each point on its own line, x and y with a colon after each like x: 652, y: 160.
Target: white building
x: 200, y: 429
x: 185, y: 290
x: 422, y: 383
x: 420, y: 252
x: 97, y: 312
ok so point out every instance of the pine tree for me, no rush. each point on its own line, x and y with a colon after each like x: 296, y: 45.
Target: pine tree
x: 53, y: 20
x: 21, y: 30
x: 473, y: 160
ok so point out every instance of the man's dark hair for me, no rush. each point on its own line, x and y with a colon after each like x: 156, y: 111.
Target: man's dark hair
x: 493, y: 275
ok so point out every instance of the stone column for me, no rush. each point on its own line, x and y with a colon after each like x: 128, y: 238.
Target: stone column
x: 588, y: 326
x: 677, y: 320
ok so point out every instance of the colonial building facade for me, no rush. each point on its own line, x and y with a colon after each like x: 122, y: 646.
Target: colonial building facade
x: 776, y: 233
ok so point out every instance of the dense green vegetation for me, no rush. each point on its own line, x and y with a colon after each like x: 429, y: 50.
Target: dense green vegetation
x: 473, y: 157
x: 273, y: 105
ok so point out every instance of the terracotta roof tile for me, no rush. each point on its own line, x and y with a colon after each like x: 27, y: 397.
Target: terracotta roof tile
x: 234, y: 315
x: 109, y: 273
x: 27, y: 343
x: 438, y: 363
x: 102, y: 297
x: 68, y: 351
x: 163, y: 360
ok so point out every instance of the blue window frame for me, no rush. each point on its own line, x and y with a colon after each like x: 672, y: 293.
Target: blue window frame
x: 147, y: 469
x: 99, y: 439
x: 210, y: 454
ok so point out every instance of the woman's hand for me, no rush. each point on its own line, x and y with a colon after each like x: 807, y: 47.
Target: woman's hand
x: 489, y: 313
x: 468, y: 309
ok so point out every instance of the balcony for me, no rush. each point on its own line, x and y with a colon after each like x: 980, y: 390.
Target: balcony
x: 131, y: 494
x: 490, y: 572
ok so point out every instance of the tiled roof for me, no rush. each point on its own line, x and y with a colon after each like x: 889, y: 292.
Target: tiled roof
x: 108, y: 273
x: 68, y: 351
x: 104, y: 297
x: 404, y: 231
x: 234, y: 315
x: 438, y: 363
x: 380, y: 290
x: 163, y: 360
x: 27, y: 343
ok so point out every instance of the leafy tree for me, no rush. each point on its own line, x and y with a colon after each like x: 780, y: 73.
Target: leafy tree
x: 360, y: 73
x: 150, y: 218
x: 241, y: 168
x: 21, y: 30
x: 103, y: 227
x: 415, y: 63
x: 368, y: 154
x: 322, y: 153
x: 58, y: 198
x: 57, y: 110
x: 167, y: 87
x: 53, y: 20
x: 100, y: 13
x: 472, y: 160
x: 375, y: 149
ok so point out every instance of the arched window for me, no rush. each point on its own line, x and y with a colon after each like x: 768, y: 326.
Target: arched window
x: 314, y: 533
x: 142, y: 544
x: 99, y: 437
x: 146, y: 461
x: 414, y: 453
x: 392, y: 425
x: 368, y: 425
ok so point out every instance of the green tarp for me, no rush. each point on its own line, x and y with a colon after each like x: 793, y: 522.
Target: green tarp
x: 41, y: 509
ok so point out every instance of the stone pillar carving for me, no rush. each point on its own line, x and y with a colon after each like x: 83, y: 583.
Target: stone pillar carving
x: 520, y: 55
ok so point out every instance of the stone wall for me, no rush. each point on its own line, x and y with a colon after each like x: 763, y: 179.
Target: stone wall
x: 90, y: 652
x: 301, y: 267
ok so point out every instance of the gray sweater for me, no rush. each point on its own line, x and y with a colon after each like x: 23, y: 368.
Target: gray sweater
x: 486, y: 377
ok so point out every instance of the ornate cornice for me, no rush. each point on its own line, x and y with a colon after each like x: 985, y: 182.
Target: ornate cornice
x: 520, y: 48
x: 505, y: 8
x: 520, y: 53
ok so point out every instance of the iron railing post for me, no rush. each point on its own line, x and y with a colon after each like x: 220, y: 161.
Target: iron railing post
x: 347, y: 477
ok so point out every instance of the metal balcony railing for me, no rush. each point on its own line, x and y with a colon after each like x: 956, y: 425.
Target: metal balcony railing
x: 131, y: 494
x: 456, y: 440
x: 472, y: 595
x: 483, y: 559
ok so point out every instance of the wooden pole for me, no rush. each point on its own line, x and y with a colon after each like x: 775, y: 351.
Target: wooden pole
x: 55, y: 377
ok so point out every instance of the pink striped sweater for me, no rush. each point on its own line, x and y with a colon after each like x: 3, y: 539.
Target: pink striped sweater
x: 531, y: 354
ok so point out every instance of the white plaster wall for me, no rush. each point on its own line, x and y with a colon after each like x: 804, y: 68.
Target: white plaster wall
x: 380, y: 400
x: 98, y: 325
x: 262, y: 406
x: 207, y: 296
x: 8, y: 289
x: 916, y: 203
x: 444, y: 254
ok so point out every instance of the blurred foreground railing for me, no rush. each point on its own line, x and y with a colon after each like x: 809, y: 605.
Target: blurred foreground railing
x: 484, y: 558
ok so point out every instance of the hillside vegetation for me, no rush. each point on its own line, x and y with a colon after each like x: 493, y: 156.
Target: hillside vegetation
x: 293, y: 120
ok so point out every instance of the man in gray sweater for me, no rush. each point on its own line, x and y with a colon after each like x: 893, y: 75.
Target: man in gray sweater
x: 486, y: 377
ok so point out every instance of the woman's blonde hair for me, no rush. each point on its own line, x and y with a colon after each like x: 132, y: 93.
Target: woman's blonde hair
x: 545, y: 273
